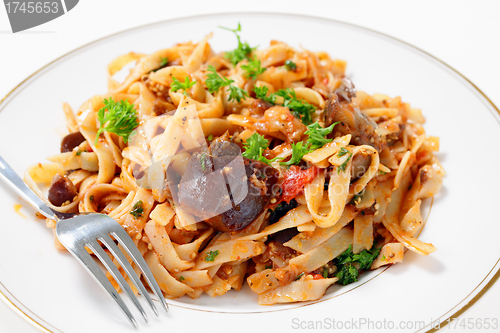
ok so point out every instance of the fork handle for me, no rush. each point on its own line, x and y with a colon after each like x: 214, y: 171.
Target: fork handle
x: 11, y: 178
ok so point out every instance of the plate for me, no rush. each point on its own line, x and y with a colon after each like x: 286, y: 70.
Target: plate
x: 52, y: 291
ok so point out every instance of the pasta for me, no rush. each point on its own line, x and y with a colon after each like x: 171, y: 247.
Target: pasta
x: 257, y: 166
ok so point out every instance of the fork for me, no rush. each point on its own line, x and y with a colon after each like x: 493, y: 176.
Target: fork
x: 85, y: 230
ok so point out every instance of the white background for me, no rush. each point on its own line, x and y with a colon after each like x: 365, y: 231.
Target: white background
x: 464, y: 34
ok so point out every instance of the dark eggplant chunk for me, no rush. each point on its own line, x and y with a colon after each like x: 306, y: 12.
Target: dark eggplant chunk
x: 352, y: 121
x: 61, y: 190
x: 201, y: 194
x: 261, y: 178
x: 71, y: 141
x: 360, y: 164
x: 205, y: 195
x: 284, y: 236
x: 281, y: 210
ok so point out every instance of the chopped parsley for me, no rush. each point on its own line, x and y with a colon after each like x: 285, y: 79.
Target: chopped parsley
x: 91, y: 198
x: 300, y: 109
x: 237, y: 93
x: 214, y: 81
x: 348, y: 272
x: 356, y: 199
x: 290, y: 65
x: 383, y: 257
x: 137, y: 210
x: 203, y: 161
x: 316, y: 140
x: 255, y: 146
x: 325, y: 272
x: 299, y: 276
x: 317, y: 135
x: 268, y: 266
x: 120, y: 119
x: 261, y: 93
x: 78, y: 152
x: 243, y: 51
x: 210, y: 137
x: 341, y: 153
x: 298, y: 151
x: 181, y: 278
x: 163, y: 62
x: 253, y: 69
x: 211, y: 255
x: 366, y: 258
x: 186, y: 85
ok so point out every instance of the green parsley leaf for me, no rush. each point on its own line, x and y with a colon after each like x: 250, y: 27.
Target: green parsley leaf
x: 243, y: 51
x: 325, y: 272
x: 255, y: 146
x: 366, y: 257
x: 78, y: 152
x: 120, y: 119
x: 163, y: 62
x: 345, y: 257
x: 137, y: 210
x: 300, y: 109
x: 237, y: 93
x: 203, y: 161
x: 298, y: 151
x: 383, y: 257
x: 317, y: 135
x: 356, y: 199
x: 253, y: 69
x: 186, y: 85
x: 261, y: 93
x: 91, y: 198
x: 347, y: 272
x: 268, y: 266
x: 211, y: 255
x: 210, y: 137
x: 341, y: 153
x: 290, y: 65
x: 181, y: 278
x: 214, y: 81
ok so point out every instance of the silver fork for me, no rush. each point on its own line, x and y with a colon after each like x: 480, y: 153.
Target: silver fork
x: 85, y: 230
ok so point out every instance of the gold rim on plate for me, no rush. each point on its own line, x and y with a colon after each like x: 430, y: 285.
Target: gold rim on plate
x: 443, y: 322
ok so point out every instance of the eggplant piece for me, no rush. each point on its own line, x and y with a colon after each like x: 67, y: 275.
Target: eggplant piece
x: 351, y: 121
x: 71, y: 141
x: 281, y: 210
x: 258, y: 196
x: 360, y: 164
x: 204, y: 197
x: 61, y: 190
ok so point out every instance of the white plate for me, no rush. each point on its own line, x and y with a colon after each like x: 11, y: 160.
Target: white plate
x: 55, y: 293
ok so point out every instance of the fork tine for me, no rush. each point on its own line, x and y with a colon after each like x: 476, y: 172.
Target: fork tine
x: 113, y: 248
x: 121, y: 235
x: 108, y: 263
x: 91, y: 266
